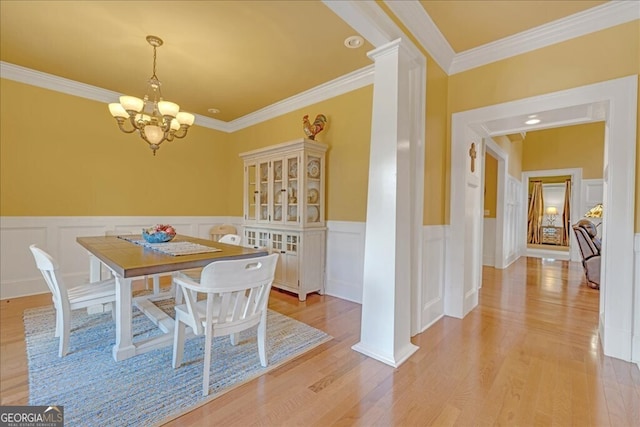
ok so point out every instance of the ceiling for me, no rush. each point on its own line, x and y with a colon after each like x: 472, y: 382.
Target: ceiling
x: 235, y: 56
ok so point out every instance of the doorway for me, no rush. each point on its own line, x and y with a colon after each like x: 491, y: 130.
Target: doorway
x: 553, y: 180
x: 615, y: 102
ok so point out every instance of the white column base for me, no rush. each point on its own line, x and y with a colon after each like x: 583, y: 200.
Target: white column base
x: 394, y: 360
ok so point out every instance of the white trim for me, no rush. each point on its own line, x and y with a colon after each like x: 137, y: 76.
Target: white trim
x: 620, y: 97
x: 499, y: 256
x: 347, y: 83
x: 576, y: 213
x: 635, y: 352
x: 414, y: 17
x: 595, y: 19
x: 366, y: 18
x: 341, y: 85
x: 429, y: 302
x: 345, y: 260
x: 420, y: 24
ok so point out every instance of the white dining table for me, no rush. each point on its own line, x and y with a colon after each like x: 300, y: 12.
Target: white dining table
x: 128, y: 260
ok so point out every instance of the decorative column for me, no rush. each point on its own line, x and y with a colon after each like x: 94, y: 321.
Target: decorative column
x: 386, y: 311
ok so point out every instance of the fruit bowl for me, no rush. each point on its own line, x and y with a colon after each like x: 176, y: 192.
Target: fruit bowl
x: 160, y: 233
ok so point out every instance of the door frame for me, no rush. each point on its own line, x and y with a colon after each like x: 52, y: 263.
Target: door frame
x: 576, y: 203
x: 617, y: 101
x: 491, y: 147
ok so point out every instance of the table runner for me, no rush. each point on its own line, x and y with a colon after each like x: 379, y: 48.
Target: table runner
x: 172, y: 248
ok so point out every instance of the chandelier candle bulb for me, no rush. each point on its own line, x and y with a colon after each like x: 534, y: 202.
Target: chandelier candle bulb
x: 117, y: 110
x: 185, y: 118
x: 131, y: 103
x: 167, y: 108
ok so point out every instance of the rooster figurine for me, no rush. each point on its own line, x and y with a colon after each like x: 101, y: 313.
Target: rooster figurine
x: 311, y: 130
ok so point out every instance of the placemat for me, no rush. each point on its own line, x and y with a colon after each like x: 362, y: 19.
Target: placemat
x: 173, y: 248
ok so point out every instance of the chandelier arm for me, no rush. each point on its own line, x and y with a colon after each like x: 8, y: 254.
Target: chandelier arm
x: 121, y: 121
x: 182, y: 132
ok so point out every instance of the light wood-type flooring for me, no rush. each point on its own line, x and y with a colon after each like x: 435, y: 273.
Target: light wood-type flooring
x: 528, y: 355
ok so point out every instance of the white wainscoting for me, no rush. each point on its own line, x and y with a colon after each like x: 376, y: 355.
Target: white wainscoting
x: 345, y: 267
x: 345, y: 260
x: 431, y: 288
x: 635, y: 346
x: 489, y: 242
x: 512, y: 221
x: 57, y: 235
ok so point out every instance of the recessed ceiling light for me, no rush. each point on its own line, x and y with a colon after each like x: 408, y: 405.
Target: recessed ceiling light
x: 353, y: 42
x: 533, y: 116
x: 213, y: 110
x: 532, y: 122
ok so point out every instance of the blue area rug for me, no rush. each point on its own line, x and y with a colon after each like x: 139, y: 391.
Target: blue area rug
x: 144, y: 390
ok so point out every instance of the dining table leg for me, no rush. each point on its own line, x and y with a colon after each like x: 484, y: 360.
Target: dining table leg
x: 124, y: 348
x: 95, y: 269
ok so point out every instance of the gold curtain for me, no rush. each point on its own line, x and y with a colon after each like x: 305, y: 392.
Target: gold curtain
x: 566, y: 213
x: 536, y: 211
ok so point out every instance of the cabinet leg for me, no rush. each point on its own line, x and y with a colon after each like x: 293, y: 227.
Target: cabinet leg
x: 302, y: 296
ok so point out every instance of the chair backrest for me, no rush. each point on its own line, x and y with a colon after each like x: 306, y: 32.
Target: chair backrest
x: 237, y: 291
x: 231, y: 239
x: 586, y: 234
x: 218, y: 231
x: 49, y: 267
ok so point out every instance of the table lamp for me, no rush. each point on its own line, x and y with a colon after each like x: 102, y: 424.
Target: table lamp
x: 551, y: 212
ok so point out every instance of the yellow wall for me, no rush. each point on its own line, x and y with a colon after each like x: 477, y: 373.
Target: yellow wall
x: 600, y: 56
x: 76, y: 162
x: 76, y: 141
x: 436, y: 160
x: 490, y: 186
x: 580, y: 146
x: 514, y: 151
x: 62, y: 155
x: 348, y: 135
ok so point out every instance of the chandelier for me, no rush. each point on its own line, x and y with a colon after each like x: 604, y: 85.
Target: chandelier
x: 154, y: 119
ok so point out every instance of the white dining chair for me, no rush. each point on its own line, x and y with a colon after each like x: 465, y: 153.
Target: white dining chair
x: 217, y: 231
x: 66, y: 298
x: 237, y: 293
x: 231, y: 239
x: 194, y: 273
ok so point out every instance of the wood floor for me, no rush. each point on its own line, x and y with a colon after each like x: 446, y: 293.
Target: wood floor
x: 528, y: 355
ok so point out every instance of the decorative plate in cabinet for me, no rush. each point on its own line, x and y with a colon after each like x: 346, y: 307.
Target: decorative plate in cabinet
x: 313, y: 169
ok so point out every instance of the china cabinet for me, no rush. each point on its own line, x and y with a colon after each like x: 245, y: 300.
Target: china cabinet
x: 284, y: 196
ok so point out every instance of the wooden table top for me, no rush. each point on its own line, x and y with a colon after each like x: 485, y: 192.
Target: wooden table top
x: 131, y: 260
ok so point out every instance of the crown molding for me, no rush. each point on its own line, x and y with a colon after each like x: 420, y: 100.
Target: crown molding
x: 333, y: 88
x: 598, y: 18
x: 55, y: 83
x: 347, y: 83
x: 81, y: 90
x: 366, y: 18
x: 420, y: 24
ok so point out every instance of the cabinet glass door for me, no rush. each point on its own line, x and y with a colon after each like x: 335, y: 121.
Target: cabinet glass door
x: 293, y: 214
x: 252, y: 192
x: 279, y: 190
x: 263, y: 212
x: 313, y: 190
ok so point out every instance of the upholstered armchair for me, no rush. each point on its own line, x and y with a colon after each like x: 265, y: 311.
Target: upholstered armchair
x: 590, y: 246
